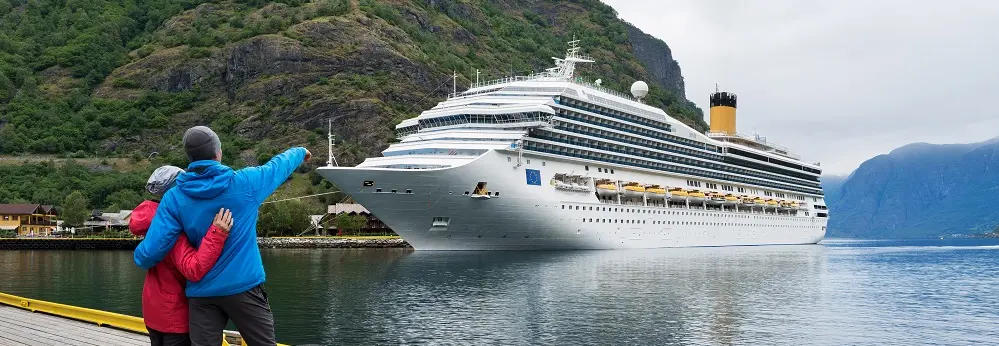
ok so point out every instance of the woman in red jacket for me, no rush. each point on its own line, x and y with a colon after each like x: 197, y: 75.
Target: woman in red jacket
x: 164, y: 305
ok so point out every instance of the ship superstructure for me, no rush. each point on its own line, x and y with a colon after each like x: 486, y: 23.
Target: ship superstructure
x: 548, y: 161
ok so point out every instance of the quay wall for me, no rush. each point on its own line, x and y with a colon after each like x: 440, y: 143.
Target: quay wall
x: 68, y: 243
x: 131, y: 243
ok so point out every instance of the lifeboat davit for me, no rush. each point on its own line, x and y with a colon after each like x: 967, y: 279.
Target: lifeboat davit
x: 634, y: 190
x: 655, y: 192
x: 607, y: 189
x: 695, y: 196
x: 677, y: 195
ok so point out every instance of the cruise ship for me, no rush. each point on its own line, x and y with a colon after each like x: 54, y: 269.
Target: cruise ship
x: 548, y: 161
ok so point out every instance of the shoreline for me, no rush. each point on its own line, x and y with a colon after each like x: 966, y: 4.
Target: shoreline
x: 263, y: 243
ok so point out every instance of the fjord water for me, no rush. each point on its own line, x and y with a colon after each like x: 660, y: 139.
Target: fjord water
x: 839, y: 292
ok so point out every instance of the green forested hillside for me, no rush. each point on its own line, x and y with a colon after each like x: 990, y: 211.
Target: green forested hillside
x: 124, y: 78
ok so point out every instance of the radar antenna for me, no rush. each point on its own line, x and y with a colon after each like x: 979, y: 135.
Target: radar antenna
x: 566, y: 67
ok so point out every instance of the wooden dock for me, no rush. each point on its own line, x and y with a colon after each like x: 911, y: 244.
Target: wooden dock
x: 23, y: 327
x: 26, y: 321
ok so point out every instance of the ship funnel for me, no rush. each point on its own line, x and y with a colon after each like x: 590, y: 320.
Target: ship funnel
x: 723, y: 112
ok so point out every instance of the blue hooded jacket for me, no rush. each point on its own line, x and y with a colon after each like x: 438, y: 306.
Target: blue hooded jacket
x: 191, y: 206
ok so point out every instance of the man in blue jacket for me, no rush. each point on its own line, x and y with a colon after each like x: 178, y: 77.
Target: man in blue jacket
x: 232, y: 289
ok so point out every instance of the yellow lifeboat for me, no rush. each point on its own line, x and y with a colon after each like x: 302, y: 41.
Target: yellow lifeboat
x: 606, y: 188
x: 731, y: 199
x: 759, y: 201
x: 696, y: 196
x: 634, y: 190
x: 785, y: 205
x: 677, y: 194
x: 747, y: 201
x: 655, y: 192
x: 715, y: 198
x: 771, y: 203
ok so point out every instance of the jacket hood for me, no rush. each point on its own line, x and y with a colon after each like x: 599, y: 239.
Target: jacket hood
x: 205, y: 179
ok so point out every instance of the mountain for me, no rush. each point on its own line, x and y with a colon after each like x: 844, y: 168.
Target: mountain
x: 832, y: 186
x: 920, y: 190
x: 125, y: 78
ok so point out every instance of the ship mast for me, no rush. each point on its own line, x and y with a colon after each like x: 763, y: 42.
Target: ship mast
x: 330, y: 161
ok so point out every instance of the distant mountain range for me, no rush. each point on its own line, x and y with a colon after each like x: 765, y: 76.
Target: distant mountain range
x: 918, y: 190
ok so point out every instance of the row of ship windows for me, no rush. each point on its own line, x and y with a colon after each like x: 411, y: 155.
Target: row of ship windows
x: 572, y: 140
x: 506, y: 118
x: 559, y: 150
x: 627, y: 107
x: 689, y: 223
x: 730, y: 159
x: 571, y: 103
x: 603, y: 123
x: 695, y: 183
x: 410, y: 192
x: 437, y: 151
x: 668, y: 137
x: 776, y: 194
x: 679, y: 213
x: 773, y: 161
x: 610, y: 135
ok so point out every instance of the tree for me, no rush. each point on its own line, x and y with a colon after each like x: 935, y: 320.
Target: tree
x: 124, y: 198
x: 350, y: 222
x: 75, y: 209
x: 283, y: 218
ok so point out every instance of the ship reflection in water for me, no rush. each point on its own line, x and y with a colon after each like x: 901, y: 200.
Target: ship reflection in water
x: 837, y: 293
x: 656, y: 296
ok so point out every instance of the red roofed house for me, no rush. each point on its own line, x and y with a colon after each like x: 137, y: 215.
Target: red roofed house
x: 27, y: 219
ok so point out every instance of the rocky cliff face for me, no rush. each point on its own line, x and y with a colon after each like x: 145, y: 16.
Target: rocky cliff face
x: 657, y: 58
x: 270, y: 75
x: 920, y: 190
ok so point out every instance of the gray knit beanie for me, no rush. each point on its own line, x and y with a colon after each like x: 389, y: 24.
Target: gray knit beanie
x: 163, y: 179
x: 201, y: 143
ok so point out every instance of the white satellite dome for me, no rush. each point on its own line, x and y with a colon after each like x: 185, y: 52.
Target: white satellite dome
x: 639, y: 89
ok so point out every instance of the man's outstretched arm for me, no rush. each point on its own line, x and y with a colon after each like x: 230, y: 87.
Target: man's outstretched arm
x: 275, y: 172
x: 160, y: 238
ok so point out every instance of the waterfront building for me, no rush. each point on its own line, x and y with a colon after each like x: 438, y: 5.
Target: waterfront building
x: 28, y: 220
x: 117, y: 221
x: 373, y: 223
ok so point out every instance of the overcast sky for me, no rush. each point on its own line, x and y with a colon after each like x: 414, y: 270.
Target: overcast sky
x: 838, y: 81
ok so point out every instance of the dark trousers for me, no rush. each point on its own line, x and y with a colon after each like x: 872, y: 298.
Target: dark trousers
x: 158, y: 338
x: 248, y: 310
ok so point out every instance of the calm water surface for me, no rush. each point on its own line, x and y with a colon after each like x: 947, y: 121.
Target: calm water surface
x: 841, y: 292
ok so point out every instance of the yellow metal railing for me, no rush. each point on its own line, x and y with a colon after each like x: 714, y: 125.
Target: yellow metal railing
x: 101, y: 318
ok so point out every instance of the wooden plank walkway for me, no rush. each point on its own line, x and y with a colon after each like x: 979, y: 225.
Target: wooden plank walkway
x: 23, y: 327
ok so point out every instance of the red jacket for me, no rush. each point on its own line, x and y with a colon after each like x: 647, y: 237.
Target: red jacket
x: 164, y: 305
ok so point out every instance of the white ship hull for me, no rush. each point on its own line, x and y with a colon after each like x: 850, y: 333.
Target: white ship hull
x: 438, y: 215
